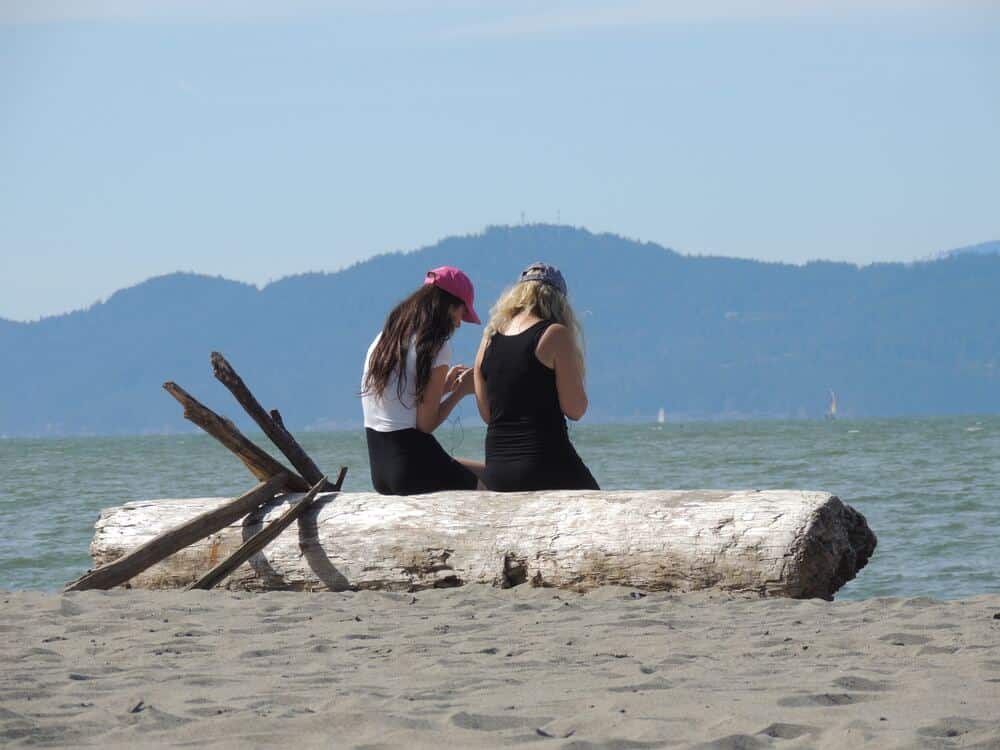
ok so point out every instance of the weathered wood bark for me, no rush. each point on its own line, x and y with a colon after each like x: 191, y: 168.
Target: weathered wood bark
x: 261, y: 465
x: 163, y: 545
x: 773, y: 543
x: 273, y: 428
x: 258, y: 541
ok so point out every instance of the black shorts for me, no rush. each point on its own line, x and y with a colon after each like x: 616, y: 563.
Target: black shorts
x: 525, y: 459
x: 547, y: 473
x: 411, y: 462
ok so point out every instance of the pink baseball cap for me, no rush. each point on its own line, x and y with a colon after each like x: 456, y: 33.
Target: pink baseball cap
x: 457, y: 283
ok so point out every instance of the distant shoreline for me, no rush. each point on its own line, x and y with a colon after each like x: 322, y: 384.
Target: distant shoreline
x: 672, y: 421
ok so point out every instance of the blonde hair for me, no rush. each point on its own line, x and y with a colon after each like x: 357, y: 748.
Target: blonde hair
x: 540, y: 299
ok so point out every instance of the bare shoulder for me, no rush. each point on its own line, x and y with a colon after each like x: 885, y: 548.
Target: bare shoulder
x: 555, y: 336
x: 483, y: 343
x: 554, y: 342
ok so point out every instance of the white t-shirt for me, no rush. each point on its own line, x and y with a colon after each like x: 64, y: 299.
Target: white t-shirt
x: 387, y: 413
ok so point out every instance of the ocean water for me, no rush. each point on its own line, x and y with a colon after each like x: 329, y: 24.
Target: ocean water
x: 929, y: 487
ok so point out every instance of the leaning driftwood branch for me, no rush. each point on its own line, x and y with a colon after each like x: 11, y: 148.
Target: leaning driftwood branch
x: 273, y: 428
x: 340, y: 479
x: 162, y: 546
x: 258, y: 541
x: 261, y: 465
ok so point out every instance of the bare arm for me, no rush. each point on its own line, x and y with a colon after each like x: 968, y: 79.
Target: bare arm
x: 557, y: 349
x: 432, y: 411
x: 482, y: 398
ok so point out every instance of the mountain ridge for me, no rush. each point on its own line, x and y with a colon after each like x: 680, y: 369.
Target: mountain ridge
x: 701, y: 336
x: 982, y: 248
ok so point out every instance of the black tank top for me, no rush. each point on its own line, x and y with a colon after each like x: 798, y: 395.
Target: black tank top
x: 527, y: 445
x: 522, y: 391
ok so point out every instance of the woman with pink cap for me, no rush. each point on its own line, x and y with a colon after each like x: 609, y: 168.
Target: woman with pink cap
x: 408, y: 389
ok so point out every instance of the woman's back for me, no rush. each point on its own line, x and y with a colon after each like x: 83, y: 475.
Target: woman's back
x: 527, y: 445
x: 405, y: 390
x: 522, y: 390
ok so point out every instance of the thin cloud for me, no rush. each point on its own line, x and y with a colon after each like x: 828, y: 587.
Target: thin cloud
x: 492, y: 17
x: 582, y: 17
x: 18, y: 12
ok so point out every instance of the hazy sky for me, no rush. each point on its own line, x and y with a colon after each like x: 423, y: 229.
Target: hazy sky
x: 255, y: 140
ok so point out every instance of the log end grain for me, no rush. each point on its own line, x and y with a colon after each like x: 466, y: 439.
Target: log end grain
x: 833, y: 548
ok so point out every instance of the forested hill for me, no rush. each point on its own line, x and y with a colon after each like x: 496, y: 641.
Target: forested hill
x: 701, y: 337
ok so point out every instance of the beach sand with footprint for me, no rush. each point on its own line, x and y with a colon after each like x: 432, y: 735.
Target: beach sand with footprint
x: 480, y: 667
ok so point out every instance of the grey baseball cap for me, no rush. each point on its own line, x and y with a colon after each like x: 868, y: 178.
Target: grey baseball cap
x: 546, y: 274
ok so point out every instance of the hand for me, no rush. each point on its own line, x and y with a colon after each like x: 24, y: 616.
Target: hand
x: 454, y: 377
x: 466, y: 383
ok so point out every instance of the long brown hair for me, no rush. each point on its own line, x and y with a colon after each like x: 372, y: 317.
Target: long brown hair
x: 426, y: 315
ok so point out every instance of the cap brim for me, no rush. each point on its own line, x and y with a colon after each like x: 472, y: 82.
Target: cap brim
x: 470, y: 316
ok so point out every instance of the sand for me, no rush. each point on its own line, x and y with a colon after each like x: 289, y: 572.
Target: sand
x: 479, y: 667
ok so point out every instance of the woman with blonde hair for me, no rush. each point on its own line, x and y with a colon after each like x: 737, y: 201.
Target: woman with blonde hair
x: 528, y: 378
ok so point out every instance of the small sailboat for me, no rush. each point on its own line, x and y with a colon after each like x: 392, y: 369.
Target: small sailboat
x: 832, y: 413
x: 661, y: 416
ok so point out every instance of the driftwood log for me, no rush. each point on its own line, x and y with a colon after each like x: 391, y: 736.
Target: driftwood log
x: 770, y: 543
